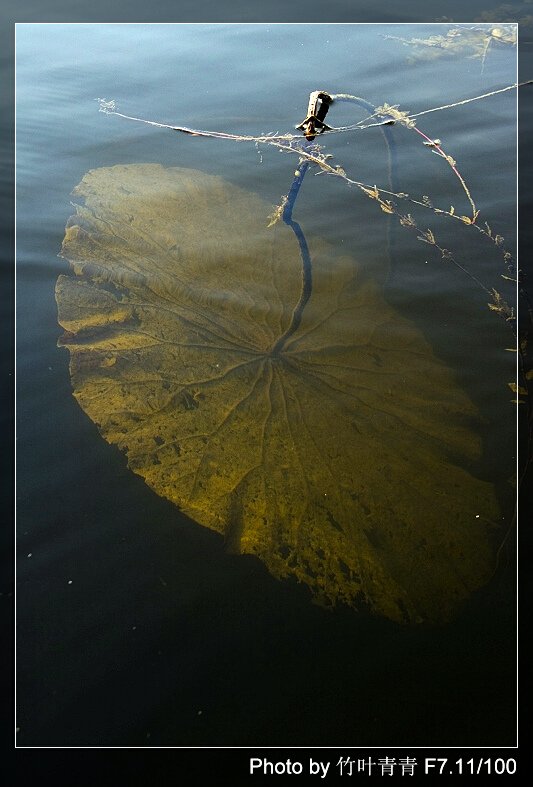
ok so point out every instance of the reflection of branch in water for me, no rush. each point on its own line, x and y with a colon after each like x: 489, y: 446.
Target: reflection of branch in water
x: 307, y: 282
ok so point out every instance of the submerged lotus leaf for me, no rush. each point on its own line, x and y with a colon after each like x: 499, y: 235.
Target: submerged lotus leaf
x: 339, y: 457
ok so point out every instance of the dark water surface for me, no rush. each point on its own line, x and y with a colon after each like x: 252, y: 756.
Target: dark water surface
x: 134, y: 626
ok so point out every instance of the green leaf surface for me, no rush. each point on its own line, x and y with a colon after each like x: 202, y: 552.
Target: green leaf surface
x: 341, y: 459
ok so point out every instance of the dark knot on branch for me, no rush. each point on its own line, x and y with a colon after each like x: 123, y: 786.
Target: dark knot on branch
x: 319, y: 103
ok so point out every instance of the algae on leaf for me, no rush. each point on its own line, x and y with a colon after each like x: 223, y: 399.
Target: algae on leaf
x: 338, y: 457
